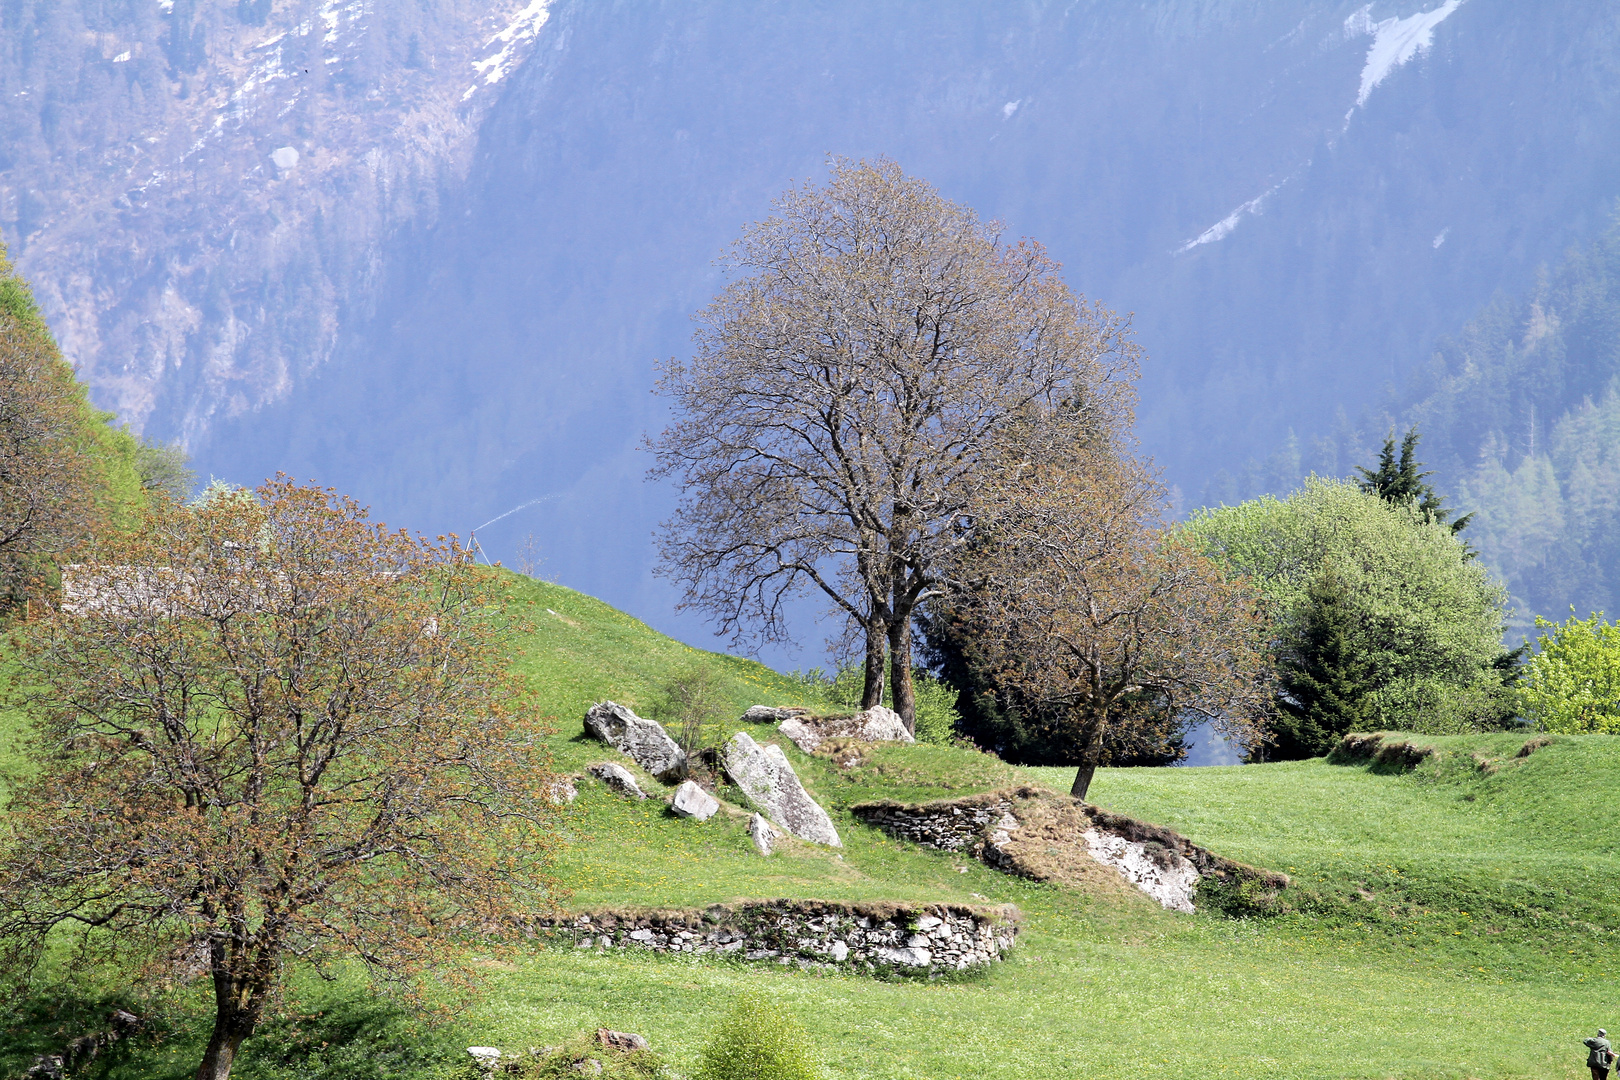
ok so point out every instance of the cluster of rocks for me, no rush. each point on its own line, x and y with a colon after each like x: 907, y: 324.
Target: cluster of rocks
x: 875, y: 938
x: 584, y: 1060
x: 1164, y: 874
x: 762, y: 774
x: 877, y: 724
x: 1037, y: 834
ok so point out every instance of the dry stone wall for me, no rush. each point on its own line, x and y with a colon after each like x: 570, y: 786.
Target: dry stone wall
x: 913, y: 940
x: 948, y: 825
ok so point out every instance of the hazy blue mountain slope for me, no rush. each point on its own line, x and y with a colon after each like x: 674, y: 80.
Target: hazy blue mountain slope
x: 1519, y: 413
x: 505, y: 347
x: 200, y: 188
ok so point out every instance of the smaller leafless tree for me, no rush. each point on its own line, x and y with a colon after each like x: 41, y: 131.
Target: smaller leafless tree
x: 529, y: 559
x: 692, y: 702
x: 1082, y: 602
x: 270, y: 729
x: 845, y: 395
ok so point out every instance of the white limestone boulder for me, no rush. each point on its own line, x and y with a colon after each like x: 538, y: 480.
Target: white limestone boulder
x: 771, y: 714
x: 911, y: 956
x: 486, y: 1058
x: 768, y: 781
x: 877, y: 724
x: 763, y: 834
x: 691, y: 801
x: 618, y: 778
x: 643, y: 741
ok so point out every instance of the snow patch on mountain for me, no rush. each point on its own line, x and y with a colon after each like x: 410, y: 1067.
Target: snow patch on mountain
x: 1221, y: 228
x: 519, y: 32
x: 1395, y: 41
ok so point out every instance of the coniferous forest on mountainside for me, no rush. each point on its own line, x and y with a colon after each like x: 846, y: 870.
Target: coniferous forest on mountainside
x: 1519, y: 417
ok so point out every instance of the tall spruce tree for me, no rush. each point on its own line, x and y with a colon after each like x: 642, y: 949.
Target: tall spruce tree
x: 1400, y: 482
x: 1322, y: 672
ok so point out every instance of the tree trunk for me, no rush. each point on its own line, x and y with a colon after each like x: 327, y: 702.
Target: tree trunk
x: 1090, y: 755
x: 872, y: 689
x: 237, y: 1006
x: 227, y: 1039
x: 905, y: 701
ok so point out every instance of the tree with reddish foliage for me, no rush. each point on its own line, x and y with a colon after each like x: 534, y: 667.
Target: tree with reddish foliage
x: 269, y: 729
x: 1080, y: 600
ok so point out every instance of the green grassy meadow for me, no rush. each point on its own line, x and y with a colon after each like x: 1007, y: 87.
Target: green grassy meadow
x: 1458, y: 920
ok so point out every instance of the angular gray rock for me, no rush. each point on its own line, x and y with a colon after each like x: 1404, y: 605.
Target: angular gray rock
x: 693, y: 802
x: 768, y: 781
x: 762, y: 833
x: 643, y: 741
x: 877, y: 724
x: 771, y: 714
x: 620, y: 1040
x: 617, y: 777
x: 911, y: 956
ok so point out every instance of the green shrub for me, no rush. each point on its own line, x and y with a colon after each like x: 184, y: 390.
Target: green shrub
x: 1572, y: 684
x: 758, y: 1041
x: 691, y: 705
x: 1383, y: 618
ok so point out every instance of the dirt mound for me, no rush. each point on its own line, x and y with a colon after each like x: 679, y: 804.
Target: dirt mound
x: 1363, y: 748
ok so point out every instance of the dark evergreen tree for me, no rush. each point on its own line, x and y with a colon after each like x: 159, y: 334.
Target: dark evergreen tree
x: 1322, y: 672
x: 1401, y: 482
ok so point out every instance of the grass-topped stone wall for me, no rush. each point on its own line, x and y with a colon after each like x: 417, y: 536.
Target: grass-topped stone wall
x: 875, y: 938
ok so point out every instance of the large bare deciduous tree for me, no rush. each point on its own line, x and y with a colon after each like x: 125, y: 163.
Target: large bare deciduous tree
x: 266, y: 729
x: 1085, y: 603
x: 845, y: 393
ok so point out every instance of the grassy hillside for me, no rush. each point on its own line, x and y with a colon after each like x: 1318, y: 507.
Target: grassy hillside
x: 1455, y: 921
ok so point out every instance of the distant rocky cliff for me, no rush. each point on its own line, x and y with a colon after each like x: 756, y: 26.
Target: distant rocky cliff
x: 200, y: 190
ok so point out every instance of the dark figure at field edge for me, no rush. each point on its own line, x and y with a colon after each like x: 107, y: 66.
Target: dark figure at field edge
x: 1599, y: 1055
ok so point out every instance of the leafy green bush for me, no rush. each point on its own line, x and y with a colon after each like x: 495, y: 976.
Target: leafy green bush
x: 691, y: 704
x: 1572, y: 684
x: 758, y: 1041
x: 1383, y: 619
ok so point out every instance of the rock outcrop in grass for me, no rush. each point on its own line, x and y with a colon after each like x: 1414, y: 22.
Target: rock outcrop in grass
x: 767, y: 780
x: 1038, y: 834
x: 643, y: 741
x: 877, y: 724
